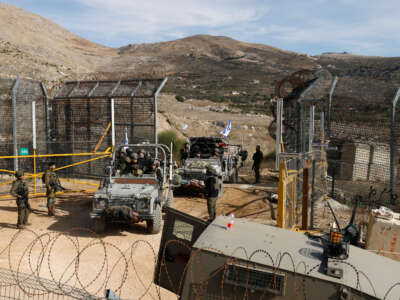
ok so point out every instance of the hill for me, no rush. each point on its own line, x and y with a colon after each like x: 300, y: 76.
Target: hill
x: 216, y: 68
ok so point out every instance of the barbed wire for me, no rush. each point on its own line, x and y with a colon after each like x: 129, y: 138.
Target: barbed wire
x: 40, y: 254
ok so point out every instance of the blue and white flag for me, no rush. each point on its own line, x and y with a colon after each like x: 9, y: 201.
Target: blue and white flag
x: 126, y: 142
x: 185, y: 126
x: 227, y: 130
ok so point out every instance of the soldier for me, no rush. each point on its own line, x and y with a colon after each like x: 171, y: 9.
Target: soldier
x: 20, y: 190
x: 156, y: 170
x: 257, y: 158
x: 149, y: 162
x: 142, y: 159
x: 211, y: 193
x: 135, y: 166
x: 52, y: 185
x: 185, y: 153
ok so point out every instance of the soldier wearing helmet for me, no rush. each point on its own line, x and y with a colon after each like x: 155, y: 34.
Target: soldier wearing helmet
x: 211, y: 191
x: 134, y: 165
x: 142, y: 159
x: 20, y: 190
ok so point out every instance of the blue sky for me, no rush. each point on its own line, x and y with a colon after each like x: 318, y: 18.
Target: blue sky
x: 367, y: 27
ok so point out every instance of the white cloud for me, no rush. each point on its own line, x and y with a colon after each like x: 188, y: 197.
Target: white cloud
x: 163, y: 17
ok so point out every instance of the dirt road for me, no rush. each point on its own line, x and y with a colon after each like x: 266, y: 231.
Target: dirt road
x: 123, y: 260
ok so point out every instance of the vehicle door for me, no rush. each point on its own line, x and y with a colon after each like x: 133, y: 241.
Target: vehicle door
x: 179, y: 234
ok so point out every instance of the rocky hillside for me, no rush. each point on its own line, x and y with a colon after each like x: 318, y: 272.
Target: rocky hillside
x: 216, y: 68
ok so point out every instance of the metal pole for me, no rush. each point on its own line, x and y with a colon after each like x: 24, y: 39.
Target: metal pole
x: 156, y: 108
x: 331, y: 90
x: 112, y: 123
x: 302, y: 128
x: 322, y: 125
x: 311, y: 128
x: 312, y: 195
x: 14, y: 109
x: 34, y: 143
x: 393, y: 144
x: 47, y: 110
x: 279, y: 106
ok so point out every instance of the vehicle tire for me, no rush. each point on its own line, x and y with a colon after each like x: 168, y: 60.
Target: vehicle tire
x: 235, y: 176
x: 154, y: 225
x: 170, y: 199
x: 99, y: 225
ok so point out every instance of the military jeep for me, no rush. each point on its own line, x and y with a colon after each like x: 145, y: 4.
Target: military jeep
x: 192, y: 174
x: 131, y: 197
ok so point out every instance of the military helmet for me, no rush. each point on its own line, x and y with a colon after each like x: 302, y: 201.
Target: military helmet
x: 134, y: 155
x: 129, y: 152
x: 210, y: 169
x: 19, y: 174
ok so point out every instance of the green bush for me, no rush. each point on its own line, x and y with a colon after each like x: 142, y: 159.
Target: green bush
x: 270, y: 156
x: 165, y: 137
x: 180, y: 98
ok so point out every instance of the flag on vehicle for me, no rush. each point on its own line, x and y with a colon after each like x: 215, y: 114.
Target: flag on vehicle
x: 126, y: 142
x: 227, y: 130
x: 185, y: 126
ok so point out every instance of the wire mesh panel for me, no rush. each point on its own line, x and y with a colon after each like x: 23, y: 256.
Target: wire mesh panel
x: 82, y: 118
x: 16, y: 285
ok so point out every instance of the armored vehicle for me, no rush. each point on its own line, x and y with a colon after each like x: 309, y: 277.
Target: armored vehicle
x: 197, y: 260
x: 225, y: 158
x: 136, y: 189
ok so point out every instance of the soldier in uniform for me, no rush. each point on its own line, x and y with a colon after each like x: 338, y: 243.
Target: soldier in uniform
x: 156, y: 170
x: 142, y: 159
x: 257, y: 159
x: 135, y: 166
x: 20, y: 190
x: 52, y: 184
x: 211, y: 192
x: 185, y: 153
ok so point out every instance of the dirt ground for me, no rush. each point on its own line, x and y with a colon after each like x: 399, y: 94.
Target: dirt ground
x: 125, y: 255
x: 124, y: 258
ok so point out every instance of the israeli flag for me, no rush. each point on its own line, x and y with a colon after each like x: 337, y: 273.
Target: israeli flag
x: 126, y: 142
x: 227, y: 130
x: 185, y: 126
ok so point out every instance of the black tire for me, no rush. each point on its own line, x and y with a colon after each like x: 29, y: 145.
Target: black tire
x: 99, y: 225
x: 235, y: 175
x: 170, y: 199
x: 154, y: 225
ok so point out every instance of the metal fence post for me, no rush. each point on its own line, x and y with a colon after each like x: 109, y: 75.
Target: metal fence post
x: 312, y: 195
x: 14, y: 109
x: 34, y: 143
x: 311, y: 128
x: 47, y: 116
x: 112, y: 123
x: 330, y: 95
x: 278, y: 139
x: 393, y: 144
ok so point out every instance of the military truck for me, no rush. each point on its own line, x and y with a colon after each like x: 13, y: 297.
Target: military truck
x: 224, y: 157
x: 248, y: 260
x: 128, y: 196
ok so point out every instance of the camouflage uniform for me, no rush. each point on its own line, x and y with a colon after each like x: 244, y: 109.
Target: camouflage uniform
x: 51, y: 181
x: 211, y: 187
x: 135, y: 168
x: 20, y: 190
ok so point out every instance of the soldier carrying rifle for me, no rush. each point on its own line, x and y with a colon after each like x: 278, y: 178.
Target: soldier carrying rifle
x: 20, y: 190
x: 52, y: 182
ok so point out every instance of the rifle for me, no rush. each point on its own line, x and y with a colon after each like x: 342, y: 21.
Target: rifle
x: 57, y: 185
